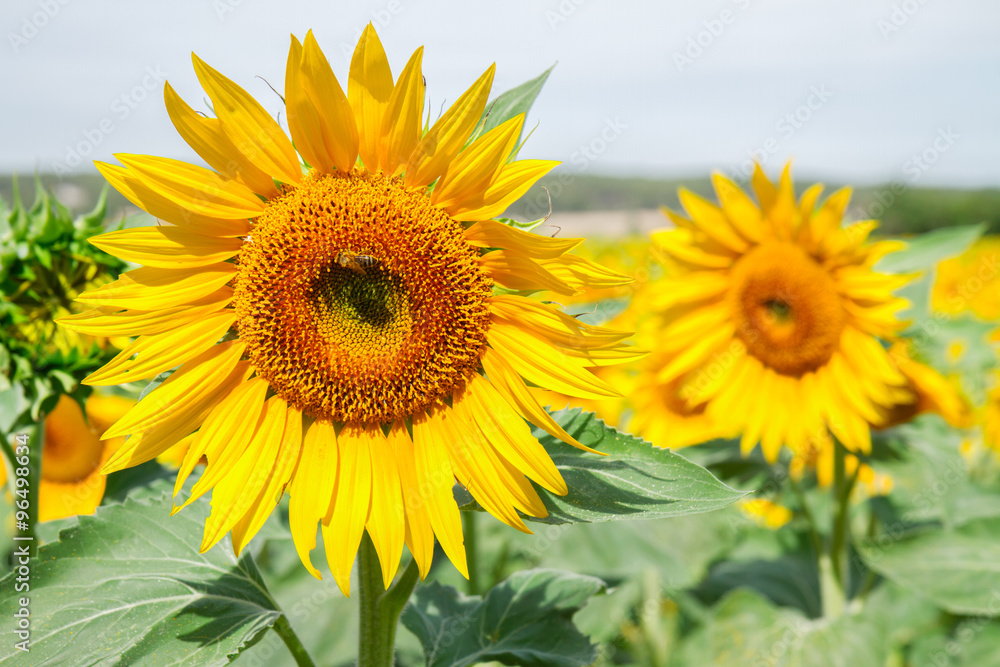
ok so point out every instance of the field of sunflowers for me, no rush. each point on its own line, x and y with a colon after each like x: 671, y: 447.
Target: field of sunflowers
x: 321, y: 402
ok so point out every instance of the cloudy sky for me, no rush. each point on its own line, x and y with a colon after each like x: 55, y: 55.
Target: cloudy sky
x: 853, y: 90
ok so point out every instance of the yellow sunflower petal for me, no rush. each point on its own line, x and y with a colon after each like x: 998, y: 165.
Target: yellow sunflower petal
x: 401, y: 123
x: 581, y: 273
x: 546, y: 366
x: 149, y: 444
x: 312, y: 488
x: 156, y: 353
x: 475, y: 470
x: 493, y: 234
x: 270, y: 495
x: 712, y: 221
x: 510, y: 185
x: 166, y: 247
x: 195, y: 188
x: 553, y: 324
x: 448, y: 135
x: 320, y: 93
x: 369, y: 87
x: 188, y: 386
x: 435, y: 478
x: 484, y: 407
x: 225, y: 435
x: 513, y: 389
x: 172, y: 211
x: 419, y: 534
x: 474, y: 169
x: 679, y: 245
x: 740, y: 210
x: 237, y: 490
x: 206, y: 137
x: 251, y: 129
x: 344, y: 525
x: 154, y: 288
x: 387, y: 520
x: 516, y: 271
x: 100, y: 322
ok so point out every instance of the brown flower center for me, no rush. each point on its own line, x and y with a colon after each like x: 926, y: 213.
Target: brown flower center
x: 360, y: 302
x: 788, y: 311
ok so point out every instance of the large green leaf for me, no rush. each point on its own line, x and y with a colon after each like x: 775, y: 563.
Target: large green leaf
x: 925, y: 251
x: 128, y: 586
x: 526, y: 620
x: 511, y: 103
x: 634, y: 481
x: 958, y: 570
x: 745, y: 629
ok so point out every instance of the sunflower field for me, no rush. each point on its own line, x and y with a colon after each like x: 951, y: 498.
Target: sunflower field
x: 324, y: 397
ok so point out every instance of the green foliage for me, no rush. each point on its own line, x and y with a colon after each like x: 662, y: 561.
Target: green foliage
x: 924, y: 252
x: 746, y: 629
x: 45, y: 261
x: 129, y: 583
x: 955, y: 569
x: 526, y: 620
x: 509, y: 104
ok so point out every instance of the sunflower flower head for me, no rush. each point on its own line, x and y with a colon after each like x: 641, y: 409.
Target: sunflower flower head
x: 347, y: 320
x: 774, y: 317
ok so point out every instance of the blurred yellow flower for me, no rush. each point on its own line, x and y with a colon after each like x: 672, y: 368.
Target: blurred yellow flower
x: 73, y: 453
x: 970, y: 282
x: 766, y: 513
x: 775, y: 317
x: 930, y: 392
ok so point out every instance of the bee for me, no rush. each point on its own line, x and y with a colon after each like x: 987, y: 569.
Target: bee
x: 355, y: 262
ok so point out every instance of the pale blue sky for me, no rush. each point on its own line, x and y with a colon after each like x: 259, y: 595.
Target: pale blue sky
x: 654, y: 88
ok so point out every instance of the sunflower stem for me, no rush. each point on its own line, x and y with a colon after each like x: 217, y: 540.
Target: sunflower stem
x: 380, y: 608
x: 471, y: 552
x: 839, y: 572
x: 295, y: 647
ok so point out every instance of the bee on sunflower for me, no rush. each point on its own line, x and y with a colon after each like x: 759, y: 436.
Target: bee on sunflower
x: 350, y: 331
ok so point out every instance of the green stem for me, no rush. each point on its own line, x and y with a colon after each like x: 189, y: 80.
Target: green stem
x: 870, y: 577
x: 380, y: 609
x: 471, y: 552
x: 295, y: 647
x: 817, y: 542
x: 840, y: 541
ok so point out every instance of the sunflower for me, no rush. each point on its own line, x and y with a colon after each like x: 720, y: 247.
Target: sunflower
x: 968, y: 283
x: 930, y: 391
x: 349, y: 331
x: 72, y: 455
x: 775, y: 316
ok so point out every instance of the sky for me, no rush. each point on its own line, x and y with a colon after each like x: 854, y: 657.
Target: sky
x: 859, y: 91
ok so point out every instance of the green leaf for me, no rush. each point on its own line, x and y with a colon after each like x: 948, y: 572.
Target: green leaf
x: 523, y: 226
x: 129, y: 585
x: 958, y: 570
x: 634, y: 481
x: 925, y: 251
x: 745, y: 629
x: 526, y: 620
x: 601, y: 312
x: 515, y: 101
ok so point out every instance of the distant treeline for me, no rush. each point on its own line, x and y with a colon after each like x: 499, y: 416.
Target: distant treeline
x: 901, y: 208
